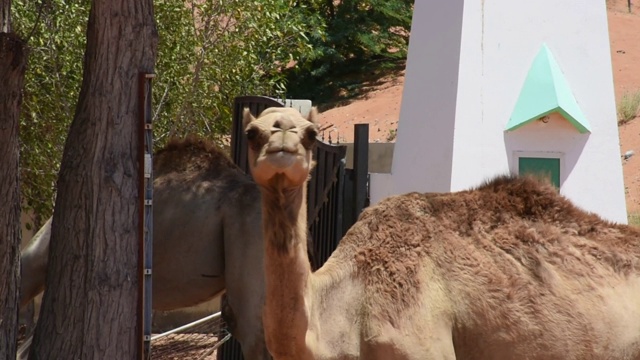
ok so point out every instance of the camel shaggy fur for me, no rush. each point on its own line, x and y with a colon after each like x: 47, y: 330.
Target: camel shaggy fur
x: 207, y: 239
x: 509, y: 270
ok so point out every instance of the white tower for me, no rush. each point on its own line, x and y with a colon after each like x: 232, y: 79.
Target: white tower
x: 503, y: 86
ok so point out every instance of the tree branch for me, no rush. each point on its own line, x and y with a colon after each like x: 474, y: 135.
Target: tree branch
x: 5, y: 16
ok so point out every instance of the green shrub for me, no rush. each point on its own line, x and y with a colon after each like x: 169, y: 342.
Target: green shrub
x: 634, y: 219
x: 208, y: 53
x: 362, y: 37
x: 628, y: 107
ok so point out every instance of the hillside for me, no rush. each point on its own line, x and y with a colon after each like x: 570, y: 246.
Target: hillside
x: 380, y: 106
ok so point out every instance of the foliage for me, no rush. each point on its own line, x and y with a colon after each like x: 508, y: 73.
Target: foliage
x: 628, y: 107
x: 362, y: 36
x: 209, y: 52
x: 219, y: 50
x: 393, y: 133
x: 54, y: 31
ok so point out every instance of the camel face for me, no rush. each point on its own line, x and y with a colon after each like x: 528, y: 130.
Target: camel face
x: 280, y: 146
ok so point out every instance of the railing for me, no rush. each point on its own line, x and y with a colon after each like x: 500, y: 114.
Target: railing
x: 145, y: 221
x: 196, y: 340
x: 190, y: 326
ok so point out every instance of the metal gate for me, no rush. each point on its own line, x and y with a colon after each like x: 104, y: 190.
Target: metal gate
x: 329, y: 215
x: 325, y: 201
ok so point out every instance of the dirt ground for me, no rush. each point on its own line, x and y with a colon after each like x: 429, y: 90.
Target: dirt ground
x: 380, y: 107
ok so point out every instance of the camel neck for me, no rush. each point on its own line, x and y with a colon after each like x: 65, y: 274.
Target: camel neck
x: 287, y: 271
x: 285, y: 218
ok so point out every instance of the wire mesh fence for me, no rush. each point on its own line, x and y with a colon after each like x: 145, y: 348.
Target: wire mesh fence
x: 198, y: 340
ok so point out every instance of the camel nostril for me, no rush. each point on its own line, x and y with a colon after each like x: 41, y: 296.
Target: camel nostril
x: 277, y: 124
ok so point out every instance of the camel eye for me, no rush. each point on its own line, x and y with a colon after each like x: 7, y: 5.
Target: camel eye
x: 311, y: 134
x: 252, y: 134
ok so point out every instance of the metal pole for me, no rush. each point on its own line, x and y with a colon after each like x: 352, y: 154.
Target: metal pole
x: 360, y: 167
x: 145, y: 151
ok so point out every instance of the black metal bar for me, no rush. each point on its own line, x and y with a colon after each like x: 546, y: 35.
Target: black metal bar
x: 142, y: 353
x: 145, y: 220
x: 148, y: 215
x: 311, y: 196
x: 338, y: 231
x: 331, y: 223
x: 360, y: 167
x: 230, y: 350
x: 348, y: 203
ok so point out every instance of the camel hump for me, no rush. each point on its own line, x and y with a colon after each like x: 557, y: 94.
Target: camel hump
x: 529, y: 197
x: 534, y: 195
x: 191, y: 154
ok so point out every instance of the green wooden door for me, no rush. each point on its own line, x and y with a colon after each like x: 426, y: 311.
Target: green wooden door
x: 547, y: 168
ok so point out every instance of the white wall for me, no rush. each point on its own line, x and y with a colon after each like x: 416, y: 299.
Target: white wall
x: 466, y: 67
x: 429, y: 99
x: 380, y: 187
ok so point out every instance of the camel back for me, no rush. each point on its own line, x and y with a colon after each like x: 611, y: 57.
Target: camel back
x: 508, y: 225
x: 191, y: 154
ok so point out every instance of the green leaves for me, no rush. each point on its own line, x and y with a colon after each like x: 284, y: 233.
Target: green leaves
x: 213, y: 51
x: 56, y: 37
x: 362, y: 36
x: 209, y: 52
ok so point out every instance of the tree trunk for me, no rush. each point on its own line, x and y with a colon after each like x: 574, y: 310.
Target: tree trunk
x: 12, y: 68
x: 90, y: 302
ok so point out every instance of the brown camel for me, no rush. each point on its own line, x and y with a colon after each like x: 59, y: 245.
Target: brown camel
x: 510, y: 270
x: 207, y: 238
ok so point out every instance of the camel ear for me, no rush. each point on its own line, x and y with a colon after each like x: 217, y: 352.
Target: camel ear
x: 313, y: 115
x: 247, y: 118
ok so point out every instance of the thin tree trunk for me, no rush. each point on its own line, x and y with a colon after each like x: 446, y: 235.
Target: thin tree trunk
x: 90, y: 302
x: 12, y: 68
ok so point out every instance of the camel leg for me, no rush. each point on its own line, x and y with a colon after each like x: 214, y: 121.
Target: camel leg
x: 244, y: 277
x: 33, y: 260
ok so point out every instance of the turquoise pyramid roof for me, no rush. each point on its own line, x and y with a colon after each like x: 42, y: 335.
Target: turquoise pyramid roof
x: 546, y: 91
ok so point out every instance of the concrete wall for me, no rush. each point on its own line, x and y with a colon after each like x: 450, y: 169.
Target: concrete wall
x: 467, y: 63
x: 380, y: 157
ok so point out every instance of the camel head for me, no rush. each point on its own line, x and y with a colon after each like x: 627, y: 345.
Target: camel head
x: 281, y: 144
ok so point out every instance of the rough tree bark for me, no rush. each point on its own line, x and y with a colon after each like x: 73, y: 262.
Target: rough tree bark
x: 12, y: 68
x: 90, y: 301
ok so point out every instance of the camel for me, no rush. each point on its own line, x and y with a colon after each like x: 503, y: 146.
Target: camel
x: 507, y: 270
x: 207, y: 238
